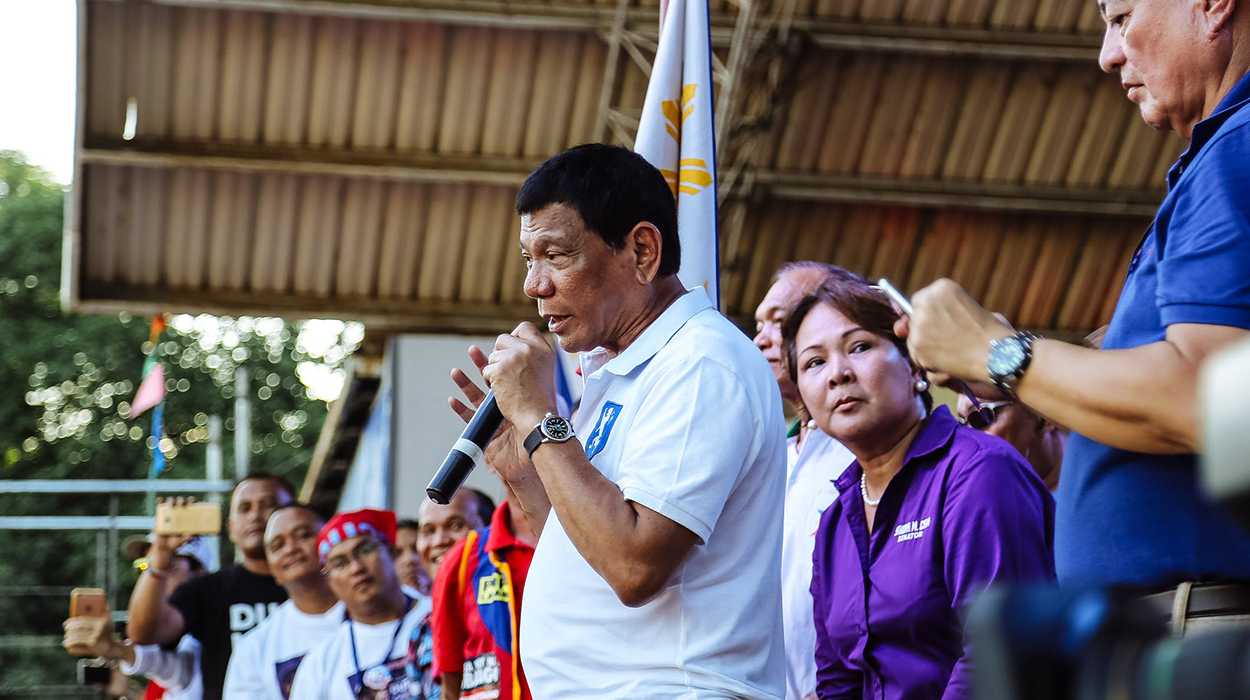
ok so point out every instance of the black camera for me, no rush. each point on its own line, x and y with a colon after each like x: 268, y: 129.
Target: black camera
x: 94, y: 672
x: 1047, y: 643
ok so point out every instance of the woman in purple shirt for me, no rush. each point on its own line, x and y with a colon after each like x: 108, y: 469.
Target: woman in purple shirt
x: 928, y: 515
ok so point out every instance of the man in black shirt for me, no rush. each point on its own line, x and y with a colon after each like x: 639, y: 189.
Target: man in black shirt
x: 217, y: 607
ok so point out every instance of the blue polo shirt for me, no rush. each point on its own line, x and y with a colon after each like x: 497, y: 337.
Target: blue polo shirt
x: 1127, y: 517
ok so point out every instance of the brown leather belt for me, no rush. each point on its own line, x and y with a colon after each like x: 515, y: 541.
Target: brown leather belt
x: 1206, y: 600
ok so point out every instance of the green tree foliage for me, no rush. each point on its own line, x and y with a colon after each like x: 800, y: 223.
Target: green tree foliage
x: 66, y: 381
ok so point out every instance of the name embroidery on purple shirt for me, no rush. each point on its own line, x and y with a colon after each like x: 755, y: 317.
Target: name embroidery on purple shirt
x: 912, y: 530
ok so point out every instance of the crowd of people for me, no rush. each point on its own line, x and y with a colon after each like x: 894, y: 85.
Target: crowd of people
x: 675, y: 539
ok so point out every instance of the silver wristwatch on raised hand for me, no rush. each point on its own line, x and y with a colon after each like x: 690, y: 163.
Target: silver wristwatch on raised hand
x: 1008, y: 359
x: 551, y: 428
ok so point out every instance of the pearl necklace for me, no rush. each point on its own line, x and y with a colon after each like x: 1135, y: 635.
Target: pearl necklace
x: 863, y: 491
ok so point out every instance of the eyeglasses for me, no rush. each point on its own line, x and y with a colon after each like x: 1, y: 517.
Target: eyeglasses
x: 983, y: 416
x: 362, y: 553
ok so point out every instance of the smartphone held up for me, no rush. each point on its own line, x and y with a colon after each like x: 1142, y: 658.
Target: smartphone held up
x: 189, y: 519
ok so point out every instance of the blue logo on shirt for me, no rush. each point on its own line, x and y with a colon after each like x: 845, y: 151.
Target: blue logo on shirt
x: 603, y: 428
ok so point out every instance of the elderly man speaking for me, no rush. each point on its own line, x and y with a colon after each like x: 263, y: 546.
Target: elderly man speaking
x: 1130, y: 510
x: 659, y: 516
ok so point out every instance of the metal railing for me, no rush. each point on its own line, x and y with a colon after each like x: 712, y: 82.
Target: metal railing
x: 107, y: 529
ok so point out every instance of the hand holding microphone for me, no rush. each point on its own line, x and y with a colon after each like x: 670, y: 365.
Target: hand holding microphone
x: 520, y: 373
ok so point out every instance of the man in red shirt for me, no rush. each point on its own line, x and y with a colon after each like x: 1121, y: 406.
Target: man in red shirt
x: 477, y: 609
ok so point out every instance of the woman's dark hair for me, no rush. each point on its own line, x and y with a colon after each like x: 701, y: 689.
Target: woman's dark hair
x: 613, y: 189
x: 856, y: 298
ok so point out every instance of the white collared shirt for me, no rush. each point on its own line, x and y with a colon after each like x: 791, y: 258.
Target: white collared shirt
x: 687, y: 421
x: 809, y: 491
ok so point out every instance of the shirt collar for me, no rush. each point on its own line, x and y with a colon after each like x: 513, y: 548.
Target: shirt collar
x: 934, y: 434
x: 1205, y: 130
x: 501, y: 535
x: 656, y: 335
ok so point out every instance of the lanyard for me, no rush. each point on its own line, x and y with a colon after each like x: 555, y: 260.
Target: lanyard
x: 351, y: 631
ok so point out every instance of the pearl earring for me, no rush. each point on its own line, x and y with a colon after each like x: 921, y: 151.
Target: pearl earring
x: 922, y: 385
x: 811, y: 424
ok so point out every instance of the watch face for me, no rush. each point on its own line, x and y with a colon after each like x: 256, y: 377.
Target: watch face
x: 1006, y: 358
x: 556, y: 428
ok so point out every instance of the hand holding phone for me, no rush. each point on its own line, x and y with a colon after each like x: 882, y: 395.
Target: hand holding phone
x: 89, y: 627
x: 88, y: 602
x: 89, y: 636
x: 985, y: 416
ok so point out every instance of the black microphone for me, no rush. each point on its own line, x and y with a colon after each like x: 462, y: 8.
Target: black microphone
x: 466, y: 453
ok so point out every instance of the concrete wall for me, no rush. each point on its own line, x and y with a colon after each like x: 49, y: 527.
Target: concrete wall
x: 423, y: 426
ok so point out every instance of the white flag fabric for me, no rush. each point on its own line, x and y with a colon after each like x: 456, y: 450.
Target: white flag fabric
x: 676, y: 135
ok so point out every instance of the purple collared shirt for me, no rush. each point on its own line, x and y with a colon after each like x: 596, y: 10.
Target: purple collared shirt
x: 965, y: 511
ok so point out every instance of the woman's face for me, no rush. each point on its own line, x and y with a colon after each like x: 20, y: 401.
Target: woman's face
x: 857, y: 385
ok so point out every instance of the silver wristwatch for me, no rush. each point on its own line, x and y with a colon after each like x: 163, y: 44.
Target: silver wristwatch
x: 1008, y: 359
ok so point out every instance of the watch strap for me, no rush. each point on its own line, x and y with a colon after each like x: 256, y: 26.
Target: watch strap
x: 533, y: 440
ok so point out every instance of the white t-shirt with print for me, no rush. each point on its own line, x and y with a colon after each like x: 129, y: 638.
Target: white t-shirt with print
x: 329, y: 671
x: 262, y: 665
x: 809, y: 491
x: 688, y: 422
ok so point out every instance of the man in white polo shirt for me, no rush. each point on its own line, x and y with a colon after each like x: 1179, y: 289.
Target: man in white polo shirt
x: 656, y: 571
x: 813, y: 461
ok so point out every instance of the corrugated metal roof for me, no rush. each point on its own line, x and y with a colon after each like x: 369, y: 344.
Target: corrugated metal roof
x: 360, y: 159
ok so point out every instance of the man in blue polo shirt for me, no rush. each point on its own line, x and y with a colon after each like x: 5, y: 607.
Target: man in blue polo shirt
x: 1130, y: 510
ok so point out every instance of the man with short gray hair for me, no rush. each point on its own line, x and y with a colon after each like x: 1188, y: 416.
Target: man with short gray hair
x: 1130, y: 510
x: 813, y: 461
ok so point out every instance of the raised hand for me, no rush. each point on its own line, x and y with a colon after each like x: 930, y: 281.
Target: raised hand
x: 505, y: 454
x: 949, y: 332
x: 90, y: 636
x: 161, y: 553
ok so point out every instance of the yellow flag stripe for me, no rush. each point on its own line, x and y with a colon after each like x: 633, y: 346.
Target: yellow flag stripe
x: 696, y: 177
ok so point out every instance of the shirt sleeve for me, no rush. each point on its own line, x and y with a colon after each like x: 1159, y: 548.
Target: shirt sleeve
x: 997, y: 525
x: 172, y: 668
x: 446, y: 617
x: 243, y: 679
x: 189, y: 599
x: 1202, y: 270
x: 688, y: 442
x: 833, y: 678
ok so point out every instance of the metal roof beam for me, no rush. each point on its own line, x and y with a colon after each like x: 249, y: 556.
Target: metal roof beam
x: 425, y: 316
x: 266, y: 159
x: 834, y: 34
x: 973, y: 195
x: 491, y: 170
